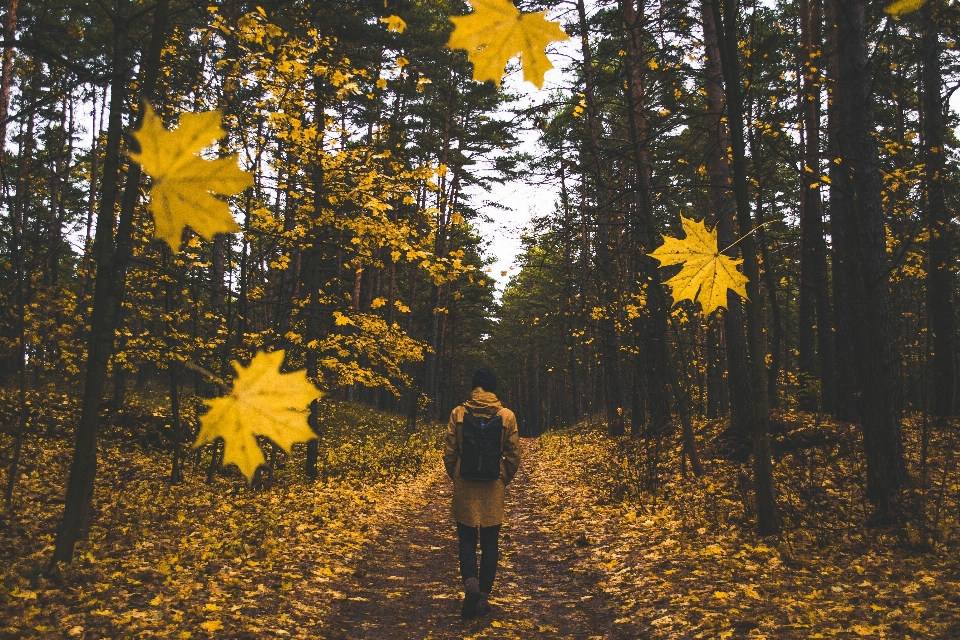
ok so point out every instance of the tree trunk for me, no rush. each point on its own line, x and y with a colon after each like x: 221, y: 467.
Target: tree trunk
x: 814, y: 330
x: 288, y: 280
x: 59, y: 175
x: 725, y: 25
x: 94, y: 170
x: 176, y: 473
x: 717, y: 401
x: 111, y: 257
x: 431, y: 360
x: 940, y: 248
x: 310, y: 275
x: 845, y: 402
x: 18, y: 218
x: 86, y: 263
x: 6, y: 74
x: 682, y: 392
x: 867, y: 297
x: 605, y: 251
x: 776, y: 338
x: 571, y: 402
x: 735, y: 441
x: 652, y: 324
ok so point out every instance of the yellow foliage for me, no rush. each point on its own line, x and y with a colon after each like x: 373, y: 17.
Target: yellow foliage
x: 394, y: 23
x: 384, y: 347
x: 706, y: 274
x: 901, y: 7
x: 496, y: 31
x: 184, y: 184
x: 264, y: 402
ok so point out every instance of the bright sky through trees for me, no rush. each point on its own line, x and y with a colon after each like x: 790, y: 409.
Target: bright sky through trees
x: 509, y: 207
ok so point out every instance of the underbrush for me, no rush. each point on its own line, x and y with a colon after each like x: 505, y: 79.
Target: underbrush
x: 189, y: 558
x: 683, y: 555
x: 362, y: 444
x: 819, y: 472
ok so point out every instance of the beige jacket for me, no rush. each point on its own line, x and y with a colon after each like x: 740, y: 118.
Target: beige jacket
x: 481, y: 503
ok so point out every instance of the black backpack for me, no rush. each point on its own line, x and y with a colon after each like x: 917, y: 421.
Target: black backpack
x: 480, y: 452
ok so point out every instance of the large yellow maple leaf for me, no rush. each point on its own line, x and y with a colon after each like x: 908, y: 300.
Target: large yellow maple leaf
x: 263, y: 402
x: 496, y: 31
x: 903, y: 7
x: 394, y: 23
x: 184, y: 184
x: 706, y: 274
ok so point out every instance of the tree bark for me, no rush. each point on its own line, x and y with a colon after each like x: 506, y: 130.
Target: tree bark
x: 845, y: 402
x: 605, y: 251
x: 725, y: 24
x: 814, y: 330
x: 652, y: 324
x: 736, y: 440
x: 176, y: 472
x: 112, y: 253
x: 431, y: 360
x: 867, y: 297
x: 776, y: 337
x: 289, y: 276
x: 717, y: 401
x: 940, y: 279
x: 572, y: 401
x: 310, y: 275
x: 18, y: 252
x: 6, y: 74
x: 59, y: 179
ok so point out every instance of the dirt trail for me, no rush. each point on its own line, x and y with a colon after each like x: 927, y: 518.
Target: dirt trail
x: 408, y: 585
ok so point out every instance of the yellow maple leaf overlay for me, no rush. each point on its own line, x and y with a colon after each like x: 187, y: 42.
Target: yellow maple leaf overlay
x: 901, y: 7
x: 394, y: 23
x: 264, y: 402
x: 184, y: 184
x: 706, y: 274
x: 496, y: 31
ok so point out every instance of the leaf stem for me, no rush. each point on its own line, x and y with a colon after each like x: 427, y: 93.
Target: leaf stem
x: 745, y: 235
x: 213, y: 378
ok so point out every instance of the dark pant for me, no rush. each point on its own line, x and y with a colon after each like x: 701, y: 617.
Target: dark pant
x: 489, y: 553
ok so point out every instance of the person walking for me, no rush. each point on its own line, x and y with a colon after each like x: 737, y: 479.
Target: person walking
x: 481, y: 455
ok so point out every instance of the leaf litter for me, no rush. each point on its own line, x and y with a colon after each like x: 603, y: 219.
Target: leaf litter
x: 370, y: 548
x: 689, y: 566
x: 192, y: 559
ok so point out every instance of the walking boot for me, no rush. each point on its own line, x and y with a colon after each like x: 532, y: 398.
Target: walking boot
x: 483, y: 604
x: 471, y: 596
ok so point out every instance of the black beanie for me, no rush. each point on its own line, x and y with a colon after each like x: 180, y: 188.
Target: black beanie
x: 484, y: 379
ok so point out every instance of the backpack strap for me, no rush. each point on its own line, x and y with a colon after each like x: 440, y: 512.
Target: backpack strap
x: 467, y: 410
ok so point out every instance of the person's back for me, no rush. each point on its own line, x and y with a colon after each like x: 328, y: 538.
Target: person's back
x: 478, y: 501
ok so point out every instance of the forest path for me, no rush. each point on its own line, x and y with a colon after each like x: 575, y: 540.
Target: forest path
x: 408, y: 585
